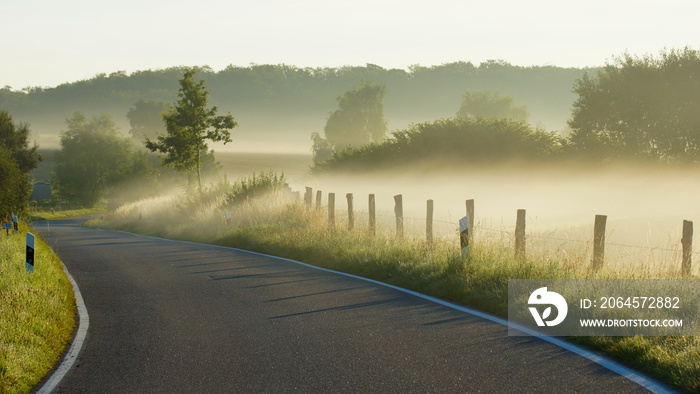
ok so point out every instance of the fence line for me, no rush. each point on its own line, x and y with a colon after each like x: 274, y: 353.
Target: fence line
x: 519, y: 235
x: 505, y: 229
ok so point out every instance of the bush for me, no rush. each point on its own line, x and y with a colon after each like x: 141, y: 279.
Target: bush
x: 257, y: 185
x: 455, y: 141
x: 15, y: 188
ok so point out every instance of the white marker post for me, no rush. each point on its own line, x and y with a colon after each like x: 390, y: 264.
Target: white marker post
x: 228, y: 218
x: 30, y: 253
x: 464, y: 235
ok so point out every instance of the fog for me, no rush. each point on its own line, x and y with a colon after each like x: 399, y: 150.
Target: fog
x: 645, y: 208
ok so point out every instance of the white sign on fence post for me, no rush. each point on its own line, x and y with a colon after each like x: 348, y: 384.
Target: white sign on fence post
x: 464, y: 235
x: 30, y: 253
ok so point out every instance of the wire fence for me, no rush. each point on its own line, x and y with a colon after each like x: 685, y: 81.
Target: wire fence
x: 549, y: 244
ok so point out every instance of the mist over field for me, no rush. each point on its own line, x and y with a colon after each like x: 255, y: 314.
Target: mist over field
x: 645, y: 207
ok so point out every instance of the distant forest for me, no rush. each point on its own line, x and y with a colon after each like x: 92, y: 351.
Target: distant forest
x: 285, y: 104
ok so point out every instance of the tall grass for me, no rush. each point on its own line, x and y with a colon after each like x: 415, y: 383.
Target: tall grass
x: 274, y: 225
x: 37, y: 313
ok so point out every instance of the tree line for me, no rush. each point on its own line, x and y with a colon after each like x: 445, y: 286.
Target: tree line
x: 269, y: 95
x: 641, y: 108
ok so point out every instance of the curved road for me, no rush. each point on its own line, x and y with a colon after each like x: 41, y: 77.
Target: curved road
x: 169, y: 316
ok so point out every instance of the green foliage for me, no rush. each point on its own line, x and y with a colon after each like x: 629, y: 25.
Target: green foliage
x: 256, y: 185
x: 15, y: 138
x: 640, y: 107
x: 359, y: 119
x: 454, y: 141
x: 491, y: 105
x: 189, y: 124
x: 93, y: 157
x: 15, y: 188
x: 146, y: 119
x: 17, y: 159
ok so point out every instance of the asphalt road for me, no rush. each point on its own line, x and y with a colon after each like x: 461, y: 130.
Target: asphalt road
x: 171, y: 317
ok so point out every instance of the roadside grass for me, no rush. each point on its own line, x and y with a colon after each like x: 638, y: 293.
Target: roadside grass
x: 291, y: 230
x: 35, y: 215
x: 37, y: 313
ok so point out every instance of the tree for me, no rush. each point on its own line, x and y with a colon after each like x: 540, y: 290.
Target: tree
x: 93, y: 157
x: 359, y: 119
x: 320, y: 147
x: 15, y: 138
x: 15, y: 188
x: 146, y: 119
x: 491, y: 105
x: 189, y: 124
x: 17, y: 159
x: 640, y: 107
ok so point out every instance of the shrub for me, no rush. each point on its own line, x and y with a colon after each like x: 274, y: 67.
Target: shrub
x: 454, y: 141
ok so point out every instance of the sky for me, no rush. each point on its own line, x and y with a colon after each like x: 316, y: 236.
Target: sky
x: 47, y: 42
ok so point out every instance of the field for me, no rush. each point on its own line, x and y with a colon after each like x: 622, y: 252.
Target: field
x: 242, y: 164
x: 645, y: 208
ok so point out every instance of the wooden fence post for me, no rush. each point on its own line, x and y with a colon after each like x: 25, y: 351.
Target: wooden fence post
x: 599, y: 241
x: 520, y: 234
x: 429, y: 223
x: 470, y: 219
x: 318, y: 199
x: 687, y: 242
x: 351, y: 214
x: 307, y: 197
x: 331, y: 211
x: 372, y: 215
x: 398, y: 210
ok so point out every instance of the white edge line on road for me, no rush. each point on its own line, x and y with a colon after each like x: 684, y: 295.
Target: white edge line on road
x: 78, y: 342
x: 645, y: 381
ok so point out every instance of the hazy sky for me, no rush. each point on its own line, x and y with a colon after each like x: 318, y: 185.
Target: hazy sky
x: 49, y: 42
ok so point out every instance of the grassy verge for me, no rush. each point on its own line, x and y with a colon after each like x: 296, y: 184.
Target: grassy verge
x: 289, y: 230
x: 50, y: 215
x: 37, y: 313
